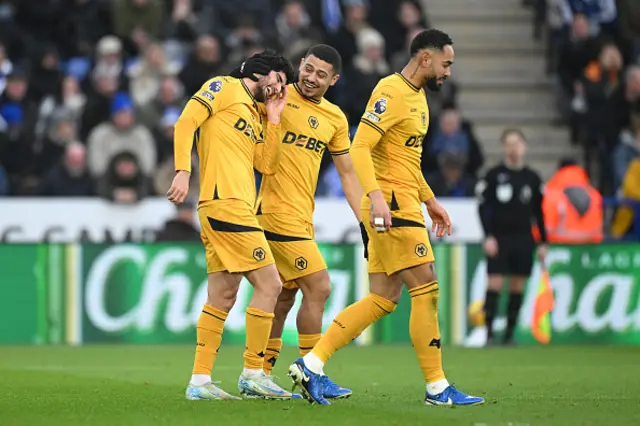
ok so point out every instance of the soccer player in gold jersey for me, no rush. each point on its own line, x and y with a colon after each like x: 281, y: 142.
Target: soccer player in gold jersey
x: 310, y: 126
x: 386, y: 156
x: 232, y: 138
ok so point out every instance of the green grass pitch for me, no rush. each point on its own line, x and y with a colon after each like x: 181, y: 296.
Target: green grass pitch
x: 144, y: 385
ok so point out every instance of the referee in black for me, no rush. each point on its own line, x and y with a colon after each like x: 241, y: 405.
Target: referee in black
x: 510, y: 197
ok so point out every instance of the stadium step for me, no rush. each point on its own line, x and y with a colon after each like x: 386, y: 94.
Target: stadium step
x: 501, y: 72
x: 514, y: 99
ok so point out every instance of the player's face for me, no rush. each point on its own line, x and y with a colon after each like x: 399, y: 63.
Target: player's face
x: 515, y: 148
x: 270, y: 86
x: 439, y: 65
x: 316, y: 76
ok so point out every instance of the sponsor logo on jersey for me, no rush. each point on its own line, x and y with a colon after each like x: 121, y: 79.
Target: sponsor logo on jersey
x: 380, y: 107
x: 424, y: 119
x: 215, y: 86
x: 304, y: 141
x: 372, y: 117
x: 294, y: 106
x: 207, y: 95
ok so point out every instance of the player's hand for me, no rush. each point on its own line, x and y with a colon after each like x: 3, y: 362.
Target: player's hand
x: 275, y: 105
x: 543, y: 249
x: 380, y: 211
x: 441, y: 223
x: 251, y: 67
x: 491, y: 247
x: 179, y: 187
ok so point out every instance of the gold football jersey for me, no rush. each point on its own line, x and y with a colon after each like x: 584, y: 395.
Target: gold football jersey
x: 308, y: 127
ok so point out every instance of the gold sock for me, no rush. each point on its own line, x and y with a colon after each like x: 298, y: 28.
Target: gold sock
x: 351, y: 322
x: 424, y: 330
x: 272, y: 354
x: 307, y: 342
x: 258, y: 325
x: 209, y: 335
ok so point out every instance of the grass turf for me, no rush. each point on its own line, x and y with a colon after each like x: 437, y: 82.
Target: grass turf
x: 144, y: 385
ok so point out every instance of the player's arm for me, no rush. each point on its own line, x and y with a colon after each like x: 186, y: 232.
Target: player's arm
x: 425, y: 191
x: 339, y: 148
x: 485, y: 191
x: 381, y: 114
x: 200, y: 107
x: 537, y: 207
x: 266, y: 156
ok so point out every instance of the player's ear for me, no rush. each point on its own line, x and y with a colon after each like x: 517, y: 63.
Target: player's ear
x: 334, y: 79
x: 426, y: 59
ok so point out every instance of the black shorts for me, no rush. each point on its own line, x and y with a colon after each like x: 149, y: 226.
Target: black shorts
x: 515, y: 256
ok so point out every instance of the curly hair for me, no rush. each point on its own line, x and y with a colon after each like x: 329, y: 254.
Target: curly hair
x: 277, y: 62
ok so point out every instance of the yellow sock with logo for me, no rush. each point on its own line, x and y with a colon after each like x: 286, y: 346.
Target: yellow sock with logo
x: 209, y: 335
x: 258, y: 325
x: 350, y: 323
x: 272, y: 354
x: 424, y: 330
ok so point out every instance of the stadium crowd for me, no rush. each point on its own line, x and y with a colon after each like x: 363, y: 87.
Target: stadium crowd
x: 90, y: 89
x: 594, y: 51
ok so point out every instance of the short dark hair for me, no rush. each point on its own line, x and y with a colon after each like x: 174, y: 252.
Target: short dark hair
x: 277, y: 63
x: 328, y: 54
x: 430, y: 39
x: 512, y: 131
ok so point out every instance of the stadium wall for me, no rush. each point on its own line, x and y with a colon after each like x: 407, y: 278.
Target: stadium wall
x: 153, y: 293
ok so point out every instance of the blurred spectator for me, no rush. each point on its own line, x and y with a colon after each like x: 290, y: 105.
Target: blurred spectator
x: 6, y: 66
x: 368, y: 67
x: 188, y: 19
x: 163, y: 134
x: 630, y: 190
x: 21, y: 147
x: 68, y: 98
x: 99, y: 102
x: 295, y: 35
x: 124, y: 181
x: 575, y: 55
x: 629, y: 27
x: 82, y: 25
x: 344, y: 40
x: 182, y: 227
x: 572, y: 208
x: 46, y: 76
x: 601, y: 14
x: 138, y: 22
x: 61, y: 131
x: 69, y: 177
x: 203, y: 64
x: 146, y: 74
x: 170, y: 95
x: 109, y: 61
x: 121, y: 135
x: 627, y: 150
x: 626, y: 100
x: 598, y: 86
x: 451, y: 179
x: 453, y: 136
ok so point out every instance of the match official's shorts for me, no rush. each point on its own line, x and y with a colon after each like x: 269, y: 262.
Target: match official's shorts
x: 295, y: 251
x: 405, y: 245
x: 232, y: 237
x: 515, y: 256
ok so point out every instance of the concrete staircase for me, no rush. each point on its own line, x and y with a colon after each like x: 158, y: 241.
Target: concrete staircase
x: 500, y: 70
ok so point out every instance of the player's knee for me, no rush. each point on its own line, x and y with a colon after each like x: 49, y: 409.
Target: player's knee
x: 316, y: 287
x: 223, y: 299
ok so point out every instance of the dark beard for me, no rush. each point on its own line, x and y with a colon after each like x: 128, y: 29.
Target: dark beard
x: 432, y: 84
x: 260, y: 96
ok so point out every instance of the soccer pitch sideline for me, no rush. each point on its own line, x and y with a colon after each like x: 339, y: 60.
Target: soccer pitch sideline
x: 144, y: 385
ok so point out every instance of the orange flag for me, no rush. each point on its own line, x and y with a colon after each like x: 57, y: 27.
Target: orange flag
x: 542, y: 307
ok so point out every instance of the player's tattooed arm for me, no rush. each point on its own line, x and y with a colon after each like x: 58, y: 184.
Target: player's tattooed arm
x: 352, y: 189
